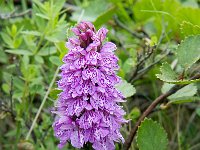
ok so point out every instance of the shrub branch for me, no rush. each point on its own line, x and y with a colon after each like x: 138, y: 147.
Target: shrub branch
x: 158, y: 100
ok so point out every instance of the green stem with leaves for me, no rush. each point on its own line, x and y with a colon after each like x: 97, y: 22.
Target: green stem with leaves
x: 42, y: 104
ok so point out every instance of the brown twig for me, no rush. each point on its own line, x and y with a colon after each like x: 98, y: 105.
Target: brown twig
x: 158, y: 100
x: 147, y: 56
x: 141, y: 72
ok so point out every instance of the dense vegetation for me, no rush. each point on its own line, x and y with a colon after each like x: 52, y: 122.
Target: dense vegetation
x: 158, y: 48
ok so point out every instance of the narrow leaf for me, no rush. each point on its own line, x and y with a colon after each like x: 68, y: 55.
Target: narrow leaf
x: 20, y: 52
x: 42, y: 16
x: 35, y: 33
x: 47, y: 51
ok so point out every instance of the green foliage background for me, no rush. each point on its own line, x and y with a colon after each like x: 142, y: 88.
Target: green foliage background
x: 147, y: 33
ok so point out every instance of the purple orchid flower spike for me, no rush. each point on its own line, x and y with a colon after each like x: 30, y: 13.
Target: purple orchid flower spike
x: 87, y: 108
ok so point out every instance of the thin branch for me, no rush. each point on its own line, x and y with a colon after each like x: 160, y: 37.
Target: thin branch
x: 136, y: 35
x: 14, y: 15
x: 149, y: 53
x: 145, y: 70
x: 6, y: 109
x: 138, y: 73
x: 158, y: 100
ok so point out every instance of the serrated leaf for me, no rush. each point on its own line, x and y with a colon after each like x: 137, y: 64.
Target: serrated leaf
x: 170, y: 76
x: 188, y: 52
x: 167, y: 74
x: 126, y: 88
x: 189, y: 14
x: 188, y: 28
x: 20, y: 52
x: 151, y: 136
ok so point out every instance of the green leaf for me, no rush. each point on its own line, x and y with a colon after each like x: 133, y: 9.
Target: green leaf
x: 3, y: 56
x: 170, y: 76
x: 188, y: 90
x: 128, y: 65
x: 184, y: 95
x: 47, y: 51
x: 7, y: 39
x: 14, y: 30
x: 188, y: 52
x: 6, y: 88
x: 54, y: 93
x: 104, y: 17
x: 55, y: 60
x: 188, y: 28
x: 39, y: 59
x: 91, y: 12
x: 36, y: 88
x: 134, y: 114
x: 151, y: 136
x: 126, y: 88
x: 198, y: 111
x: 29, y: 72
x: 35, y: 33
x: 189, y: 14
x: 55, y: 37
x: 167, y: 74
x: 58, y: 5
x: 184, y: 99
x: 42, y: 16
x: 146, y: 5
x: 18, y: 83
x: 61, y: 47
x: 154, y: 41
x: 20, y: 52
